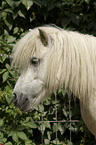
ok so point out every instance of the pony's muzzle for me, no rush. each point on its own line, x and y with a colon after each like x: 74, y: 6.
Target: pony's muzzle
x: 20, y: 101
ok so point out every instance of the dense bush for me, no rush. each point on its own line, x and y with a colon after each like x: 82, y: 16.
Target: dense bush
x: 22, y: 128
x: 16, y: 17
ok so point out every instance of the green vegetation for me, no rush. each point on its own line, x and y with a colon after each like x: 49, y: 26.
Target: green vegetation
x: 16, y: 127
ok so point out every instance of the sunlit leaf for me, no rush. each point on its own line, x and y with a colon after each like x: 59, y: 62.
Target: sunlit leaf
x: 87, y: 1
x: 29, y: 142
x: 2, y: 58
x: 22, y: 135
x: 28, y: 3
x: 21, y: 14
x: 15, y: 137
x: 55, y: 127
x: 1, y: 122
x: 42, y: 127
x: 5, y: 76
x: 13, y: 3
x: 8, y: 100
x: 2, y: 71
x: 16, y: 30
x: 8, y: 10
x: 30, y: 124
x: 7, y: 66
x: 41, y: 107
x: 11, y: 39
x: 46, y: 141
x: 8, y: 143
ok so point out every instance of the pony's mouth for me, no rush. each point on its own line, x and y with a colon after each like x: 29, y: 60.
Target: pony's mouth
x: 22, y: 105
x: 26, y: 106
x: 29, y: 105
x: 21, y: 102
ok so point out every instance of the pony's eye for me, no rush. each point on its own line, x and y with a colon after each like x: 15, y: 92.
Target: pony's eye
x: 34, y: 61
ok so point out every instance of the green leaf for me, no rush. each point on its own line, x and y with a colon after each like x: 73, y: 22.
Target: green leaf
x: 8, y: 24
x: 1, y: 135
x: 42, y: 127
x: 55, y: 128
x: 21, y: 14
x: 56, y: 142
x: 87, y: 1
x: 7, y: 66
x: 1, y: 122
x: 2, y: 58
x: 47, y: 124
x: 70, y: 143
x: 29, y: 142
x: 49, y: 135
x: 47, y: 101
x: 13, y: 3
x: 11, y: 133
x: 2, y: 71
x: 8, y: 100
x: 30, y: 124
x: 28, y: 3
x: 5, y: 76
x: 4, y: 14
x: 8, y: 143
x: 46, y: 141
x: 11, y: 39
x: 15, y: 137
x: 66, y: 113
x: 10, y: 2
x: 8, y: 10
x: 22, y: 135
x: 41, y: 107
x: 61, y: 128
x: 16, y: 30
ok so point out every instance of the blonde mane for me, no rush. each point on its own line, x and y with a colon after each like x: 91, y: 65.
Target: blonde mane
x: 72, y: 59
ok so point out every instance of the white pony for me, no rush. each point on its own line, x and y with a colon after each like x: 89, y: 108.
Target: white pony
x: 51, y: 58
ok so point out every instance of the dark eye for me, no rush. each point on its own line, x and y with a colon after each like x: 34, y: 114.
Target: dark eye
x: 35, y: 61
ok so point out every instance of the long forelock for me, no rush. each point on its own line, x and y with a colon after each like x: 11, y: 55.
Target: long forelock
x: 24, y: 50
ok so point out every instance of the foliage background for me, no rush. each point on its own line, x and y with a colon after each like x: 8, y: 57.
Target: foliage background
x: 17, y: 17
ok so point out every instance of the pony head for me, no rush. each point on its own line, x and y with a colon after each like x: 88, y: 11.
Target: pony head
x: 32, y: 55
x: 50, y: 58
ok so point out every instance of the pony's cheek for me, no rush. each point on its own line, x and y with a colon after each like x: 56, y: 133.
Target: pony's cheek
x: 34, y: 88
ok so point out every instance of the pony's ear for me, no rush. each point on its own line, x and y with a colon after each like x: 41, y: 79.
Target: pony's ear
x: 43, y: 37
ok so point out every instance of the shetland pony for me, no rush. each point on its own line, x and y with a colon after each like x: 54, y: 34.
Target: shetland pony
x: 50, y: 58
